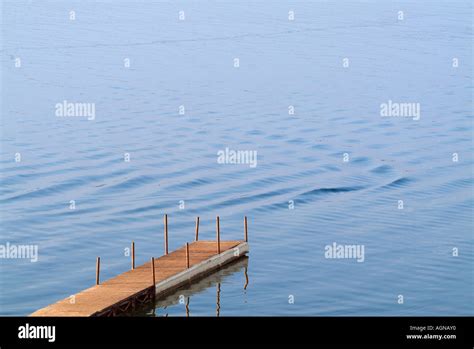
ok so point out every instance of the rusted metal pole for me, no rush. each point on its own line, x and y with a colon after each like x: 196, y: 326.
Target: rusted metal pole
x: 97, y: 271
x: 197, y: 229
x: 218, y: 233
x: 166, y: 234
x: 133, y: 255
x: 153, y: 271
x: 245, y: 229
x: 187, y: 255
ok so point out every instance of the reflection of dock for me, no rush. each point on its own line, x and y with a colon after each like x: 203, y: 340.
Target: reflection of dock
x: 157, y: 278
x: 184, y: 294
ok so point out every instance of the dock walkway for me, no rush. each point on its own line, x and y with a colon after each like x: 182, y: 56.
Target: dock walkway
x: 144, y: 283
x: 126, y: 290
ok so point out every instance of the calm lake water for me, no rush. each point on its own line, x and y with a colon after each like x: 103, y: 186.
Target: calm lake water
x: 305, y: 94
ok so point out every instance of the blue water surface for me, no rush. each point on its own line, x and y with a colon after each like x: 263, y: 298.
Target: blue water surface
x: 169, y: 96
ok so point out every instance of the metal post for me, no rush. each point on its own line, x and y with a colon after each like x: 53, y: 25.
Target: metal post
x: 97, y: 271
x: 133, y: 255
x: 218, y: 235
x: 245, y: 228
x: 197, y: 229
x: 166, y: 234
x: 187, y: 255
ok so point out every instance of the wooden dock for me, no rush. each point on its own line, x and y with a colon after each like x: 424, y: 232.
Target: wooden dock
x: 151, y: 280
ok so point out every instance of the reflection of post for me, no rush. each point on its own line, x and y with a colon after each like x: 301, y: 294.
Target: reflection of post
x: 187, y: 306
x: 218, y: 299
x: 246, y: 278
